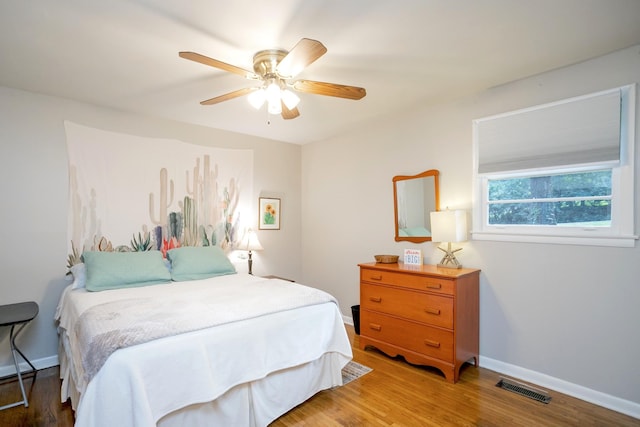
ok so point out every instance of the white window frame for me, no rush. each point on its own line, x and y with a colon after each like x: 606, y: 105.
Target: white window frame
x: 621, y: 231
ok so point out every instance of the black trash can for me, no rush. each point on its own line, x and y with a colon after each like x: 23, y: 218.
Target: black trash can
x: 355, y: 312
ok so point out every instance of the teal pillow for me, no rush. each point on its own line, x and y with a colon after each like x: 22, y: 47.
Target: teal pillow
x: 198, y: 262
x: 114, y: 270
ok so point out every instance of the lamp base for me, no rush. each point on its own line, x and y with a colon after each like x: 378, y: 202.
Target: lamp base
x: 449, y: 259
x: 440, y: 265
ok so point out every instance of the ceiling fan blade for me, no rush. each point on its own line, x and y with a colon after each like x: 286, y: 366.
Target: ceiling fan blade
x: 228, y: 96
x: 303, y: 54
x: 192, y: 56
x: 289, y: 114
x: 330, y: 89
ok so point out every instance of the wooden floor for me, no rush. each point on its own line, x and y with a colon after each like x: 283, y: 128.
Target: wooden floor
x: 44, y: 408
x: 393, y: 394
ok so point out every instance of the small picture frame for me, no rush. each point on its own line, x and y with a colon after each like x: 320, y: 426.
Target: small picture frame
x: 413, y: 257
x: 269, y: 213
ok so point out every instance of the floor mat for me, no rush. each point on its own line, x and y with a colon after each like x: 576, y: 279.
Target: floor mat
x: 352, y: 371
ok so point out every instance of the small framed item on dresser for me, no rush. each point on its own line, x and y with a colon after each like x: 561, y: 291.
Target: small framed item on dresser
x: 413, y: 257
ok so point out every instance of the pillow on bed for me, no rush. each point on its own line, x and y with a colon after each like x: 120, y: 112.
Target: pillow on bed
x: 79, y: 274
x: 114, y: 270
x: 193, y: 263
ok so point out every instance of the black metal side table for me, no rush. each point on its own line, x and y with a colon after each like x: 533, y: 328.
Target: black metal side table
x: 20, y: 315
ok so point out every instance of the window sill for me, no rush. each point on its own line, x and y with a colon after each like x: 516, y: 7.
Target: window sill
x: 628, y: 241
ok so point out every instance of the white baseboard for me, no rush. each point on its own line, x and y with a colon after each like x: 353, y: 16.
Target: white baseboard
x: 45, y: 362
x: 583, y: 393
x: 347, y: 320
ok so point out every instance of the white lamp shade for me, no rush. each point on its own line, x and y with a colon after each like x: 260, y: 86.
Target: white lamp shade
x: 290, y: 99
x: 250, y: 242
x: 274, y: 104
x: 257, y: 98
x: 449, y: 226
x: 274, y: 108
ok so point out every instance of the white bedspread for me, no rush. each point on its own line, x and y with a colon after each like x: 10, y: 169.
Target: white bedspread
x: 138, y: 385
x: 172, y: 310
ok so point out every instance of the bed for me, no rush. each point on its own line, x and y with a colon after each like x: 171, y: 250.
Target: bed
x: 228, y: 349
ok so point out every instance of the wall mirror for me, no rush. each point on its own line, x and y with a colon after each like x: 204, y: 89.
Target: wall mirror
x: 414, y: 198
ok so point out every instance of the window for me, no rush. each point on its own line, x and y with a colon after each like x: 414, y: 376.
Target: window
x: 558, y: 173
x: 581, y: 199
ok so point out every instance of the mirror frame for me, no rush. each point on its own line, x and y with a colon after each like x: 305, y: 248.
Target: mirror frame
x: 431, y: 172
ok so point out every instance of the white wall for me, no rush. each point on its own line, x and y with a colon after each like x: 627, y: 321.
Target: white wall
x: 33, y: 185
x: 565, y: 316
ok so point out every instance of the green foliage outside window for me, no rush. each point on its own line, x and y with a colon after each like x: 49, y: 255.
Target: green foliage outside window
x: 568, y: 199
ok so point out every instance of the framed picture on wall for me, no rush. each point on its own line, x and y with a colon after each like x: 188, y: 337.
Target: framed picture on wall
x: 269, y: 213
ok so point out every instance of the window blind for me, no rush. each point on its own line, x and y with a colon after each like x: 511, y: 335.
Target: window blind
x: 580, y: 130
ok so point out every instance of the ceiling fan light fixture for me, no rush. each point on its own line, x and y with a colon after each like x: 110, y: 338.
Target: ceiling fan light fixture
x: 290, y: 99
x: 273, y: 98
x: 257, y: 98
x: 274, y: 108
x: 273, y: 92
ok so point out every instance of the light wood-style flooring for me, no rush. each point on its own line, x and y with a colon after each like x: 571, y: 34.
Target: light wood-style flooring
x: 393, y: 394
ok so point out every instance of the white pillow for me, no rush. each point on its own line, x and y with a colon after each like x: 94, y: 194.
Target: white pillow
x: 79, y: 273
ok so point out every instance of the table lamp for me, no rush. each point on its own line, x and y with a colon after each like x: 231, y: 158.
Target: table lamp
x: 451, y: 227
x: 250, y: 243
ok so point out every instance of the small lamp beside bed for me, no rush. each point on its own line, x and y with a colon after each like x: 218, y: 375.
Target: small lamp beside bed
x: 250, y: 243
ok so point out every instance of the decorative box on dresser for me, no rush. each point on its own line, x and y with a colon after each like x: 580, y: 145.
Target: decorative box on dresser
x: 427, y: 314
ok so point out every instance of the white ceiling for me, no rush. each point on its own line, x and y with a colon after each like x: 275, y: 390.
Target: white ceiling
x: 124, y: 53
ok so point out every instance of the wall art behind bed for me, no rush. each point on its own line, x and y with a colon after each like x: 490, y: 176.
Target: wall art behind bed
x: 132, y: 193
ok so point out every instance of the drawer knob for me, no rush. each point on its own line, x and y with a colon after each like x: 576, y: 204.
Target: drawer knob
x: 434, y: 286
x: 432, y: 343
x: 375, y: 299
x: 435, y: 311
x: 375, y: 327
x: 376, y: 277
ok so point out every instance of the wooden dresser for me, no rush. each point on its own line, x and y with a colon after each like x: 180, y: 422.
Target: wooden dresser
x: 427, y: 314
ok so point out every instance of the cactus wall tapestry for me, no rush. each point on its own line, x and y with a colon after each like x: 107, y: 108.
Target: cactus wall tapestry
x: 132, y: 193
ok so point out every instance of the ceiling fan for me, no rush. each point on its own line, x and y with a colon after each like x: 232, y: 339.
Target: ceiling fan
x: 276, y: 69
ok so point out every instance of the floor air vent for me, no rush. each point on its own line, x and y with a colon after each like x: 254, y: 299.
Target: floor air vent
x: 525, y: 390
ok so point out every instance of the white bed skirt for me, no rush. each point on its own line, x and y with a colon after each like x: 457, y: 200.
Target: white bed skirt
x: 260, y: 402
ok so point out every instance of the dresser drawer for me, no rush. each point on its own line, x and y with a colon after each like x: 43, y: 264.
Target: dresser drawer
x: 422, y: 339
x: 423, y: 283
x: 435, y: 310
